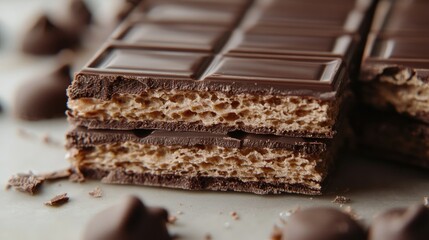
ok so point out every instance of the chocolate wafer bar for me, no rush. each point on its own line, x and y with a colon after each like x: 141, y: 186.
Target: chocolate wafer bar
x: 243, y: 162
x: 395, y: 81
x: 218, y: 95
x: 237, y: 68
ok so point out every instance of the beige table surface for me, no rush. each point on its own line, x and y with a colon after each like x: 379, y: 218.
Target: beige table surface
x: 372, y: 185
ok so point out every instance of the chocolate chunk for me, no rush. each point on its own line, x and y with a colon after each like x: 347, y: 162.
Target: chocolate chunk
x: 56, y: 175
x: 44, y: 97
x: 341, y: 200
x: 58, y: 200
x: 96, y: 192
x: 128, y: 221
x: 401, y: 224
x: 28, y: 183
x: 80, y: 17
x: 46, y: 38
x: 322, y: 224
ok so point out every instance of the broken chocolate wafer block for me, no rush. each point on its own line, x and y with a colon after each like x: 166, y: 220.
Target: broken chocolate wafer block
x: 218, y: 95
x: 395, y: 82
x: 259, y: 164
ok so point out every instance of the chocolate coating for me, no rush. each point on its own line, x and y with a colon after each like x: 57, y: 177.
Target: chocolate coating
x: 401, y: 224
x: 128, y: 221
x: 45, y: 97
x: 322, y: 224
x: 46, y: 38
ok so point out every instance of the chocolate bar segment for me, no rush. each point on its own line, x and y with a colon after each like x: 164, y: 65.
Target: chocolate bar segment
x: 224, y: 101
x: 213, y: 76
x: 196, y: 161
x: 395, y: 81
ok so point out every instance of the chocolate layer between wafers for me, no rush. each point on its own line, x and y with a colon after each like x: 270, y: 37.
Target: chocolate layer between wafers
x: 222, y: 66
x: 238, y: 161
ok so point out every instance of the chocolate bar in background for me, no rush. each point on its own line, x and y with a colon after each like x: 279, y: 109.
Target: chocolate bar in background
x: 219, y: 95
x: 395, y: 81
x: 261, y: 164
x: 391, y: 136
x: 166, y: 67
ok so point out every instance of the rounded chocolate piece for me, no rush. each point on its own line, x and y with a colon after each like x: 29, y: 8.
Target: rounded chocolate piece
x: 322, y: 224
x: 44, y: 97
x: 46, y: 38
x: 79, y: 17
x: 130, y: 220
x: 401, y: 224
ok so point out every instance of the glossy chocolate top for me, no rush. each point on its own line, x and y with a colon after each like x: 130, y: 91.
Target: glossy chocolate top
x: 257, y: 47
x: 399, y: 37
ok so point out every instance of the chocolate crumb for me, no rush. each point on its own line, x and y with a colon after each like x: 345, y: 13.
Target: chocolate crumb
x: 96, y: 192
x: 234, y: 215
x: 56, y: 175
x: 50, y: 141
x: 276, y: 234
x: 426, y: 201
x: 77, y: 176
x: 58, y: 200
x: 28, y: 183
x: 341, y: 200
x: 172, y: 219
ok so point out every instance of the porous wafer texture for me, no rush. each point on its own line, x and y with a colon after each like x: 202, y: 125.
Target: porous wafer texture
x: 214, y: 111
x: 248, y: 164
x: 404, y: 90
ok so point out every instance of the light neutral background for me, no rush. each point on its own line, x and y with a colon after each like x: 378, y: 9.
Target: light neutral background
x: 372, y: 185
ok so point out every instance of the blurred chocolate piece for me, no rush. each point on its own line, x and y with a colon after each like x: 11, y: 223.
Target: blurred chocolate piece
x: 45, y: 38
x: 80, y: 17
x: 401, y: 224
x: 131, y: 220
x: 45, y: 97
x: 322, y: 224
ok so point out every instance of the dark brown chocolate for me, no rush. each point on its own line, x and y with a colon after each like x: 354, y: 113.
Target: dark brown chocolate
x: 44, y: 97
x: 130, y: 220
x: 198, y: 183
x: 380, y: 133
x: 28, y: 183
x: 83, y: 138
x: 401, y: 224
x: 80, y: 17
x: 46, y: 38
x: 322, y: 224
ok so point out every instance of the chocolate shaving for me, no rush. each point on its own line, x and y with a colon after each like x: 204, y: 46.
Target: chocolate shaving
x: 96, y: 192
x: 28, y: 183
x: 58, y: 200
x: 341, y: 200
x: 56, y: 175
